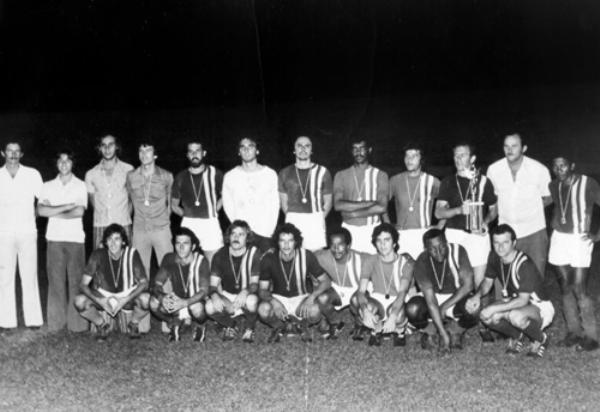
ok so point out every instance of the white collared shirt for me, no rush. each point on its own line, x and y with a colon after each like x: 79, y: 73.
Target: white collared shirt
x: 56, y: 193
x: 17, y: 196
x: 520, y: 200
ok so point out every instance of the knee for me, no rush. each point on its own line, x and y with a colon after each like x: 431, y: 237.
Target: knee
x: 154, y: 304
x: 264, y: 310
x: 518, y: 319
x: 323, y: 299
x: 209, y: 307
x: 197, y: 310
x: 81, y: 303
x: 252, y: 303
x: 143, y: 301
x: 314, y: 314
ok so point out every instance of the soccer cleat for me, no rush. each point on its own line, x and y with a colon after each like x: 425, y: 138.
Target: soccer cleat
x: 199, y: 334
x: 375, y: 339
x: 305, y: 335
x: 486, y: 335
x: 538, y: 348
x: 292, y: 330
x: 398, y: 339
x: 427, y: 342
x: 275, y: 336
x: 570, y: 339
x: 457, y: 341
x: 586, y: 344
x: 174, y: 334
x: 229, y: 333
x: 324, y: 328
x: 515, y: 346
x: 335, y: 330
x: 358, y: 332
x: 248, y: 335
x: 102, y: 331
x: 133, y: 330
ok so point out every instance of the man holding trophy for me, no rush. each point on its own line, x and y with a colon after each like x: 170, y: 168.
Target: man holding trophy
x: 468, y: 203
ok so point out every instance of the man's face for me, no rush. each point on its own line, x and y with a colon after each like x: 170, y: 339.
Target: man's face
x: 183, y: 246
x: 286, y: 243
x: 562, y: 168
x: 360, y: 152
x: 503, y: 244
x: 385, y: 244
x: 108, y: 147
x: 462, y: 158
x: 412, y: 160
x: 146, y: 155
x: 437, y: 248
x: 248, y: 151
x: 115, y: 243
x: 195, y: 154
x: 303, y: 148
x: 64, y: 165
x: 338, y: 247
x: 513, y: 148
x: 238, y: 238
x: 12, y: 153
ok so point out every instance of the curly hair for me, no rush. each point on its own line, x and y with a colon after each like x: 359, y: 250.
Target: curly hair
x: 287, y: 228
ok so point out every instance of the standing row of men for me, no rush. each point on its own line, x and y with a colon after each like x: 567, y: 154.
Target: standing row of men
x: 306, y: 193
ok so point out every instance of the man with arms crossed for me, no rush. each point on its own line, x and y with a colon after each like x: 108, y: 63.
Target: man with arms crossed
x: 305, y: 191
x: 521, y: 184
x: 414, y: 192
x: 523, y: 309
x: 286, y: 289
x: 360, y: 194
x: 106, y: 189
x: 196, y: 197
x: 63, y: 201
x: 234, y: 277
x: 19, y: 187
x: 250, y: 194
x: 182, y: 286
x: 571, y: 247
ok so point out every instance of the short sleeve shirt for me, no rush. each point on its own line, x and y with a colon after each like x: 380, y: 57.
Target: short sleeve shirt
x: 414, y: 198
x: 382, y: 276
x: 149, y: 197
x: 431, y: 274
x: 578, y: 201
x: 272, y: 267
x: 111, y: 201
x: 55, y: 193
x: 229, y: 269
x: 106, y: 272
x: 305, y: 184
x: 198, y: 193
x: 519, y: 276
x: 170, y: 270
x: 17, y: 197
x: 342, y: 273
x: 454, y: 189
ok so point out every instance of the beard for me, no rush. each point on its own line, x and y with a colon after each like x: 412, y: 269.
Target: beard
x: 195, y: 162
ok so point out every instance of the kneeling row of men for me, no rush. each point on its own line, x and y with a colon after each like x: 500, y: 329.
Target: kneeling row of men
x: 290, y: 288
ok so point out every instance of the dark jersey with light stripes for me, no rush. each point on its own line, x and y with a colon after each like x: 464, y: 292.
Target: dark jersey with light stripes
x: 186, y: 280
x: 454, y: 189
x: 442, y: 277
x: 521, y: 275
x: 300, y: 272
x: 115, y: 275
x: 204, y: 187
x: 228, y: 268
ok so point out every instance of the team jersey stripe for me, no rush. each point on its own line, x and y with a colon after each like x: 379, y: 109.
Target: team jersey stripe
x: 300, y: 271
x: 453, y: 263
x: 316, y: 174
x: 355, y: 269
x: 514, y: 268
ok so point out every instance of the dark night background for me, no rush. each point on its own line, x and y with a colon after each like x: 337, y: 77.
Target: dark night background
x: 391, y: 71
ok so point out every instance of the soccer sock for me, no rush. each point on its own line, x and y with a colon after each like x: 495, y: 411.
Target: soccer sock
x: 275, y: 322
x: 534, y: 330
x: 251, y: 320
x: 330, y: 314
x: 224, y: 320
x: 504, y: 327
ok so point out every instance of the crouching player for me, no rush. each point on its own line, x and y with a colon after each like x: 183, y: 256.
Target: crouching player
x: 389, y: 276
x: 523, y: 309
x: 181, y: 286
x: 344, y: 267
x: 114, y: 280
x: 234, y: 282
x: 444, y: 275
x: 288, y: 272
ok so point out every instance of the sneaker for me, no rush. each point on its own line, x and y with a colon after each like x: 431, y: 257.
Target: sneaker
x: 324, y: 328
x: 399, y: 339
x: 486, y: 335
x: 375, y: 339
x: 335, y: 330
x: 538, y: 348
x: 515, y: 346
x: 305, y: 335
x: 570, y: 339
x: 102, y: 331
x: 229, y: 333
x: 248, y: 335
x: 586, y: 344
x: 133, y: 329
x: 292, y: 330
x: 358, y: 333
x: 275, y: 336
x: 174, y: 334
x: 199, y: 334
x: 427, y: 342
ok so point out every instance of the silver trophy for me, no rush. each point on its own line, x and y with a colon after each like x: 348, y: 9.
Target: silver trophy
x: 474, y: 222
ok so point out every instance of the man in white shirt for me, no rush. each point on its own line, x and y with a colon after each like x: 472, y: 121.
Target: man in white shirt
x: 19, y: 186
x: 521, y: 184
x: 250, y: 194
x: 63, y: 200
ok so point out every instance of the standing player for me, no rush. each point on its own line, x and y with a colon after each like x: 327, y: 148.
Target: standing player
x: 452, y: 205
x: 19, y: 187
x: 414, y: 192
x: 196, y: 197
x: 106, y: 189
x: 234, y: 277
x: 523, y: 310
x: 344, y: 267
x: 305, y: 191
x: 360, y: 194
x: 521, y: 184
x: 286, y: 285
x: 113, y: 280
x: 389, y: 276
x: 445, y: 276
x: 64, y: 200
x: 182, y: 286
x: 571, y: 246
x: 250, y: 194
